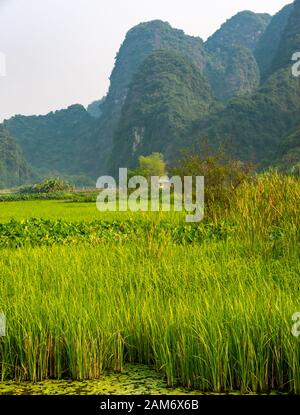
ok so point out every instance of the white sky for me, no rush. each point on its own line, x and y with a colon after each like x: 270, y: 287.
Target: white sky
x: 61, y: 52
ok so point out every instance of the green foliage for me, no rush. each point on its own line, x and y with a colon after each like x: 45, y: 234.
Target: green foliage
x: 152, y: 165
x: 267, y: 208
x: 27, y: 194
x: 232, y: 71
x: 39, y: 232
x: 243, y: 29
x: 73, y: 196
x: 253, y: 126
x: 144, y: 39
x: 95, y: 108
x: 50, y: 185
x: 60, y: 142
x: 222, y: 176
x: 254, y: 206
x: 289, y: 41
x: 202, y: 320
x: 208, y: 305
x: 13, y: 168
x: 268, y: 43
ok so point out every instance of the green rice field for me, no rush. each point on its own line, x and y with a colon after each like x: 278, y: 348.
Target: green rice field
x: 211, y: 314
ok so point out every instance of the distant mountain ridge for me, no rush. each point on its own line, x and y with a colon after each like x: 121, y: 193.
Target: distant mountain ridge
x: 169, y: 90
x: 244, y: 29
x: 256, y: 119
x: 257, y: 125
x: 95, y: 108
x: 60, y: 142
x: 232, y: 68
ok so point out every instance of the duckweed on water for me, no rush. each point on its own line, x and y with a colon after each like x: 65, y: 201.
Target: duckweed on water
x: 134, y: 380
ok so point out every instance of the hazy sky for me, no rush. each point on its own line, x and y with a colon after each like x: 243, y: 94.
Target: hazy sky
x: 61, y: 52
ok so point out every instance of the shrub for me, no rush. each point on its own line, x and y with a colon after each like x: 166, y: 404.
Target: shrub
x: 222, y: 176
x: 50, y: 185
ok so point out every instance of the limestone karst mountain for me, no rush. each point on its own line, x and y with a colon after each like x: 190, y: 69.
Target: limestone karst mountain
x: 169, y: 90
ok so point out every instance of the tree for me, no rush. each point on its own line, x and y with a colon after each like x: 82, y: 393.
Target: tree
x: 222, y: 175
x: 152, y: 165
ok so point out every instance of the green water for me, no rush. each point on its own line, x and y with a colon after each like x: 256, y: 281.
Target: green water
x: 133, y: 380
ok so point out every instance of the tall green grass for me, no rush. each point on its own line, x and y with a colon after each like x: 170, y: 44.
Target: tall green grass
x: 214, y: 316
x: 204, y: 319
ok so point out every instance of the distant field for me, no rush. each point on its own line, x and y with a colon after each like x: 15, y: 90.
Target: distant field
x: 51, y: 209
x: 70, y: 211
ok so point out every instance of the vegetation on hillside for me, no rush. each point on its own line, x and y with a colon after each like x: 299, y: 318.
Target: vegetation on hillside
x: 13, y: 168
x: 268, y: 43
x: 59, y: 142
x: 232, y: 71
x: 231, y: 68
x: 243, y: 29
x: 140, y: 42
x: 95, y: 108
x: 253, y: 126
x: 157, y: 104
x: 166, y: 95
x: 289, y: 41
